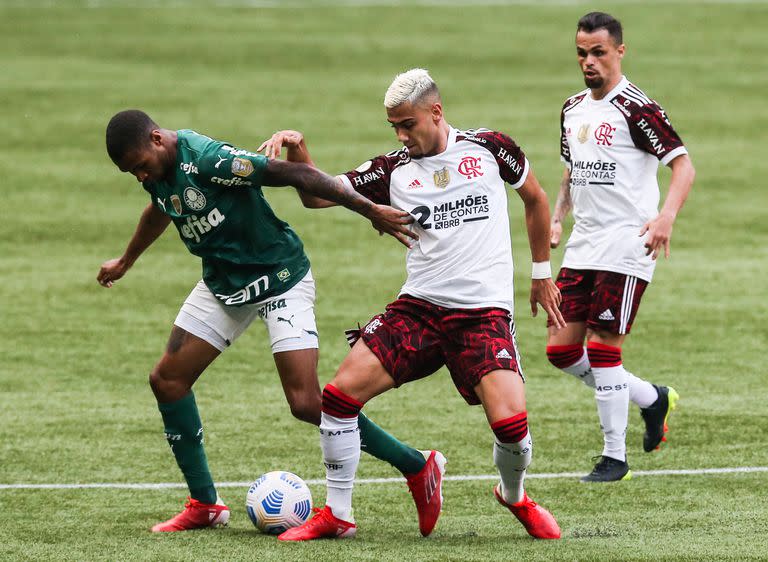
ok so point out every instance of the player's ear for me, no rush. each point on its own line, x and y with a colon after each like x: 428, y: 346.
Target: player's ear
x: 156, y: 137
x: 621, y: 49
x: 437, y: 111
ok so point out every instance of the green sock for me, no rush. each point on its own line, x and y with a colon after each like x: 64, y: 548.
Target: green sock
x: 184, y: 432
x: 377, y: 442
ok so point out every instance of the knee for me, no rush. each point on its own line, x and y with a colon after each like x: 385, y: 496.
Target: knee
x: 306, y: 409
x: 156, y: 380
x: 165, y: 386
x: 562, y: 356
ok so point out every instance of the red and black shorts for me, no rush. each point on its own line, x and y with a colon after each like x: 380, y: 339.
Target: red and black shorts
x: 414, y: 338
x: 605, y: 300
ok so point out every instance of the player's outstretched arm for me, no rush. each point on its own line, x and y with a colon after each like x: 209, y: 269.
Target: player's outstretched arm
x: 660, y: 228
x: 296, y: 151
x: 152, y: 224
x: 544, y: 292
x: 563, y: 205
x: 316, y: 182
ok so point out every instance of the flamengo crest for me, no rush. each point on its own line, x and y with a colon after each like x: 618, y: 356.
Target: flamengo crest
x: 604, y: 134
x: 470, y: 167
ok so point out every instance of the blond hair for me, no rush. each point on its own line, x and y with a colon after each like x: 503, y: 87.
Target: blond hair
x: 411, y: 86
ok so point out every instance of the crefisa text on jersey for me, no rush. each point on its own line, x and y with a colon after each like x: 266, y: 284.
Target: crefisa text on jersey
x: 188, y: 168
x: 231, y: 182
x: 198, y: 226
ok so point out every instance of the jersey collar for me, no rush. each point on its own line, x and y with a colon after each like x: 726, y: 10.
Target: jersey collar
x: 610, y: 95
x: 451, y: 136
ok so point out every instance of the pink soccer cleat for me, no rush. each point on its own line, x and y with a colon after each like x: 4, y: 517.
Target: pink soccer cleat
x: 426, y: 487
x: 539, y: 522
x: 196, y: 515
x: 324, y: 525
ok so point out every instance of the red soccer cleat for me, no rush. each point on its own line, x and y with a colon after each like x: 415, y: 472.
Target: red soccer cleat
x: 426, y: 487
x: 196, y: 515
x: 324, y: 525
x: 539, y: 522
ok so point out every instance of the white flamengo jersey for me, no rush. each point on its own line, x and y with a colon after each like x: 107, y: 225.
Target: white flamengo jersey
x: 463, y: 258
x: 612, y: 148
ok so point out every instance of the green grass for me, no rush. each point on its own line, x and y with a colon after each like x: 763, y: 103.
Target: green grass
x: 74, y: 402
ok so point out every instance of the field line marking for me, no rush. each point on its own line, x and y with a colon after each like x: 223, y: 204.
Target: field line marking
x: 459, y: 478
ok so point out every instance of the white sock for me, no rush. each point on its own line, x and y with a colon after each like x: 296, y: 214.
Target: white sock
x: 612, y: 395
x: 641, y: 392
x: 582, y: 370
x: 512, y: 459
x: 340, y: 440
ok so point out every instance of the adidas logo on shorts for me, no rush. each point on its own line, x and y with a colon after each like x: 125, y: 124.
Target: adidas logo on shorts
x: 607, y: 315
x: 503, y: 354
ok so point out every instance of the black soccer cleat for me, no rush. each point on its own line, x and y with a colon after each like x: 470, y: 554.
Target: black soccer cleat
x: 608, y: 469
x: 655, y: 417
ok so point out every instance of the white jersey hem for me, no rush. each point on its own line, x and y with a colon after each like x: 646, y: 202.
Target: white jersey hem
x: 611, y: 268
x: 452, y: 305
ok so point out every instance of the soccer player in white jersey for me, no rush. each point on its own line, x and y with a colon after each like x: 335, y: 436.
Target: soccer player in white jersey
x: 456, y: 306
x: 612, y: 139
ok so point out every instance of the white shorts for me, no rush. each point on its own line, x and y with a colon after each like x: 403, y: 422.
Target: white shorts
x: 290, y: 317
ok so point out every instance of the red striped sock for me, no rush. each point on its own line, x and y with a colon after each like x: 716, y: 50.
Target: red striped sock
x: 511, y: 430
x: 563, y: 356
x: 601, y: 355
x: 336, y: 403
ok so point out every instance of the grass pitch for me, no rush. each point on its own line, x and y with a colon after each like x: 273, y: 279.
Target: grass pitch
x: 74, y: 402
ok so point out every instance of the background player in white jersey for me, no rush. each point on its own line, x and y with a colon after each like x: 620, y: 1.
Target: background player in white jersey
x: 612, y: 139
x: 456, y: 306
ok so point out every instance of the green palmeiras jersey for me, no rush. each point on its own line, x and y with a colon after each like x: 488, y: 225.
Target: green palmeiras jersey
x: 216, y: 202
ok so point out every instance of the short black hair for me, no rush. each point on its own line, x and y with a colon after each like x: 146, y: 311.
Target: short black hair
x: 600, y: 20
x: 127, y: 131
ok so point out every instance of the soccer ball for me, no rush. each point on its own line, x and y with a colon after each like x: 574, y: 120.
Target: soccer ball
x: 277, y: 501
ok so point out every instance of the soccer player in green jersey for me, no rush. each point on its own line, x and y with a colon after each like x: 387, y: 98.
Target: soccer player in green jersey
x: 254, y: 266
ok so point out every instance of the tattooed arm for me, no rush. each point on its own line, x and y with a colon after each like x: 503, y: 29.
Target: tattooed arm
x: 316, y: 182
x: 297, y: 151
x: 563, y: 206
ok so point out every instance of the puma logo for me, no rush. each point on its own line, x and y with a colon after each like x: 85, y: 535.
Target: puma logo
x: 290, y: 320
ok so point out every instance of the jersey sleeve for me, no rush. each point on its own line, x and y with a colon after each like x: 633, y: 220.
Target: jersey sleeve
x: 371, y: 179
x: 565, y: 150
x: 153, y: 198
x: 224, y: 165
x: 513, y: 165
x: 652, y: 132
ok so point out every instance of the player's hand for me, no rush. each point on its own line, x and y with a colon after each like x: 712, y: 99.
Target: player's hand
x: 388, y: 220
x: 273, y: 146
x: 544, y: 292
x: 659, y: 234
x: 111, y: 271
x: 555, y: 233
